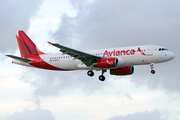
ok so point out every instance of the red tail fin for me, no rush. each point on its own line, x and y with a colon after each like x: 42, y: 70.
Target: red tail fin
x: 26, y: 45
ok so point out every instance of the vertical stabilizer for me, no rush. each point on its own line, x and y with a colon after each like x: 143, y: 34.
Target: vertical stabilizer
x: 26, y: 45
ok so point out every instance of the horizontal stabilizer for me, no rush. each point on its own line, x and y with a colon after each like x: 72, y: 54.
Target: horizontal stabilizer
x: 20, y: 58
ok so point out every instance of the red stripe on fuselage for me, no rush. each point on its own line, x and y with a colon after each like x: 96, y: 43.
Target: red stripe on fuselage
x: 40, y: 63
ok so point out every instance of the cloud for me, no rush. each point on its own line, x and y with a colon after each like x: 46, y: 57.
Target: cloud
x: 51, y: 83
x: 153, y: 115
x: 103, y: 23
x: 37, y: 114
x: 129, y: 97
x: 15, y: 16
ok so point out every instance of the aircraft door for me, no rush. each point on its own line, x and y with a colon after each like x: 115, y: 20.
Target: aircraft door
x: 150, y: 50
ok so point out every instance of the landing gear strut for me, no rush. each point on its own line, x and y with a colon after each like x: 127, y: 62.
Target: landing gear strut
x: 152, y: 71
x: 101, y: 77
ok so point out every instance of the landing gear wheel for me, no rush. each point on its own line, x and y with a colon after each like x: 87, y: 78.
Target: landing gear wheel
x: 101, y: 78
x: 90, y: 73
x: 153, y: 71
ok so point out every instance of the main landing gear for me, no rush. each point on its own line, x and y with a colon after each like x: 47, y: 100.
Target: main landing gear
x: 101, y: 77
x: 152, y: 66
x: 90, y: 73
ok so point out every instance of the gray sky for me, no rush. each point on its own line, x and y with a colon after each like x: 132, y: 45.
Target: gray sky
x: 15, y: 15
x: 86, y: 25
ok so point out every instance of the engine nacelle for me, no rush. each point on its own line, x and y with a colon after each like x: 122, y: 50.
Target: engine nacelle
x: 107, y: 63
x: 126, y: 70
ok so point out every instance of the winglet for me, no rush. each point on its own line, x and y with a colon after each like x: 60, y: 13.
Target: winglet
x: 49, y: 42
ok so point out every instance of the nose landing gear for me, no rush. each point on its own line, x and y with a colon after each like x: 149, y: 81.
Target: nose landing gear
x: 152, y: 66
x: 153, y: 71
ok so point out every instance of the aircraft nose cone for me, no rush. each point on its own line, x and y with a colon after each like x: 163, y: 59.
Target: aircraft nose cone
x: 172, y: 55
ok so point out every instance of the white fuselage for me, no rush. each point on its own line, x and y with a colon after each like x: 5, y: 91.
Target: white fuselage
x: 127, y: 56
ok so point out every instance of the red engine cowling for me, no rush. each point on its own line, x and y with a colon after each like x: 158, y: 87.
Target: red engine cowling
x: 126, y: 70
x: 107, y: 63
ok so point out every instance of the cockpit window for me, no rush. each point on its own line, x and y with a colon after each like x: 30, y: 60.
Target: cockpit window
x: 163, y: 49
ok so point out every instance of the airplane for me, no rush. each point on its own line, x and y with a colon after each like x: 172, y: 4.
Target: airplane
x: 119, y: 61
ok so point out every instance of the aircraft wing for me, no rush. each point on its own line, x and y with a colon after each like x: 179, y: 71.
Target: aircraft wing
x: 86, y: 58
x: 19, y: 58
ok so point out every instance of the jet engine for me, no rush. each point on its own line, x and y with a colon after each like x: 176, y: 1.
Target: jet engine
x: 126, y: 70
x: 107, y: 63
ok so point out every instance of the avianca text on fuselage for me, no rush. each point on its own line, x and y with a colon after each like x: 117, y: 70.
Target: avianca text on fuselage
x: 121, y: 52
x: 118, y: 53
x: 119, y: 61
